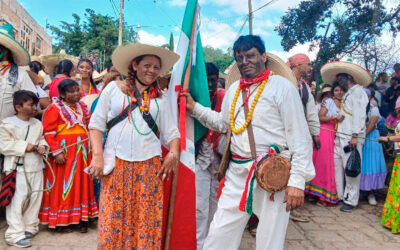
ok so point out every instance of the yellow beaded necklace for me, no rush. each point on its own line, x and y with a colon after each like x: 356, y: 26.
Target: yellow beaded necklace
x: 250, y: 114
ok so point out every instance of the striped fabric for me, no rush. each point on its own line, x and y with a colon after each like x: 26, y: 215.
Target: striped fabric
x: 8, y: 188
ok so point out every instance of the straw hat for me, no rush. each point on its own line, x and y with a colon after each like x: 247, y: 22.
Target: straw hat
x: 275, y: 64
x: 324, y: 90
x: 123, y: 55
x: 19, y: 53
x: 50, y: 61
x: 331, y: 69
x: 98, y: 76
x: 89, y: 99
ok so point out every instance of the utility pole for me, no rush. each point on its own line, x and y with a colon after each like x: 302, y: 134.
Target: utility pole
x: 250, y: 18
x: 121, y: 21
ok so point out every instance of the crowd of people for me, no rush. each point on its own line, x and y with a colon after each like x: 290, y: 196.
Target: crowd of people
x: 79, y: 145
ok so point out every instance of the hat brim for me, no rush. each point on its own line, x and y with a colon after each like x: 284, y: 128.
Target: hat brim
x: 89, y: 99
x: 123, y: 55
x: 330, y: 70
x: 50, y: 61
x: 20, y: 54
x: 275, y: 64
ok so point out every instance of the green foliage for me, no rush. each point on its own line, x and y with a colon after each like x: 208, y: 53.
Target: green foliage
x: 353, y: 23
x: 96, y: 33
x: 169, y: 46
x: 217, y: 56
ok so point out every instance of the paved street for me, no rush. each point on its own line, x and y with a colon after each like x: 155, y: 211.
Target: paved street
x: 328, y: 229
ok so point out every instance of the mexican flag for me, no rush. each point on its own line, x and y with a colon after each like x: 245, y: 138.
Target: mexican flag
x: 189, y: 74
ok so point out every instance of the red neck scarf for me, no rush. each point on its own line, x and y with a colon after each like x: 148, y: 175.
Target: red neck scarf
x: 245, y: 83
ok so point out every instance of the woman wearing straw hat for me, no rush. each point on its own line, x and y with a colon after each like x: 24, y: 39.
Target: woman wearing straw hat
x: 323, y: 186
x: 12, y: 78
x: 132, y: 111
x: 351, y: 77
x: 277, y: 122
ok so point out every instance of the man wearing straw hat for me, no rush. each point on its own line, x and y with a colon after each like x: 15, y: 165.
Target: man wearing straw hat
x: 277, y: 121
x: 351, y: 130
x: 12, y: 78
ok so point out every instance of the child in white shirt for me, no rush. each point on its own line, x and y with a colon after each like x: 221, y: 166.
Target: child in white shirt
x: 22, y: 144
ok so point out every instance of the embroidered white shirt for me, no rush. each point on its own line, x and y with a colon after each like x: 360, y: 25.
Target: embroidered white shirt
x: 123, y: 138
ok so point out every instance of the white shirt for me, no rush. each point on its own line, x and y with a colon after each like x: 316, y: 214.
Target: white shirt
x: 123, y: 138
x: 311, y: 112
x: 278, y: 119
x: 330, y: 105
x: 7, y: 91
x: 13, y: 144
x: 355, y: 103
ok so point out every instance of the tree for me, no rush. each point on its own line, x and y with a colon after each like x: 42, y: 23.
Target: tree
x: 169, y: 46
x: 97, y: 33
x: 217, y: 56
x: 377, y: 56
x: 357, y: 24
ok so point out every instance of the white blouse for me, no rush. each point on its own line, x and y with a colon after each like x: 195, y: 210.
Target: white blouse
x: 124, y: 139
x: 330, y: 105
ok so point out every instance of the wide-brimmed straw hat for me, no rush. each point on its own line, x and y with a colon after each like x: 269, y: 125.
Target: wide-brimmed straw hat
x: 89, y: 99
x: 98, y: 76
x: 123, y: 55
x: 275, y: 64
x: 331, y: 69
x: 324, y: 90
x: 50, y: 61
x: 19, y: 53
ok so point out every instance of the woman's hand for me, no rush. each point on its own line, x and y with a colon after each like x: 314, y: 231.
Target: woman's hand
x: 95, y: 169
x: 59, y: 159
x: 170, y: 164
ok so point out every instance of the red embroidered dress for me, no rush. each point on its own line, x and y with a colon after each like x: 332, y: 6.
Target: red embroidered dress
x: 72, y: 199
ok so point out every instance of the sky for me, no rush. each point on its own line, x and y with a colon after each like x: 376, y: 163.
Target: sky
x: 154, y: 20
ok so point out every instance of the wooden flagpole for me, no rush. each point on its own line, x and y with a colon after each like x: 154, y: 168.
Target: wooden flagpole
x: 182, y: 102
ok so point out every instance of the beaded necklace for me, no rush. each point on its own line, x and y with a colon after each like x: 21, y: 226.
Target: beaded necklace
x: 250, y: 114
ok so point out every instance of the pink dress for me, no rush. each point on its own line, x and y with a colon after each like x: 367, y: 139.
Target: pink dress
x: 324, y: 185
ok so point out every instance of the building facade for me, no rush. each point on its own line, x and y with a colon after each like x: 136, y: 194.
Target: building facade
x: 27, y: 31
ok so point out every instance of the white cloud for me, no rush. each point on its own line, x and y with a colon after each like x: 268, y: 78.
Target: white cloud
x: 148, y: 38
x: 217, y: 34
x: 300, y: 48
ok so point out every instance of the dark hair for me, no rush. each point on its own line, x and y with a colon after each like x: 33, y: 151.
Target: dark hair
x: 109, y: 65
x: 245, y: 43
x: 131, y: 77
x: 334, y: 86
x: 34, y: 67
x: 65, y: 85
x: 397, y: 79
x: 91, y: 75
x: 212, y: 69
x: 22, y: 96
x: 396, y: 65
x: 64, y: 67
x: 222, y: 82
x: 381, y: 74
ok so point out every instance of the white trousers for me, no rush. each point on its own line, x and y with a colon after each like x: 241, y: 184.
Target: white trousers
x: 229, y: 222
x: 206, y: 202
x: 348, y: 188
x: 18, y: 224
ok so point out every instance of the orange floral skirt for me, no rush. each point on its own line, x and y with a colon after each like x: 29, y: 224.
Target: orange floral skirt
x: 131, y: 206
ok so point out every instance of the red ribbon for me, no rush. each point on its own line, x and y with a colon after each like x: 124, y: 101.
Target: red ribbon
x: 245, y: 83
x: 182, y: 116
